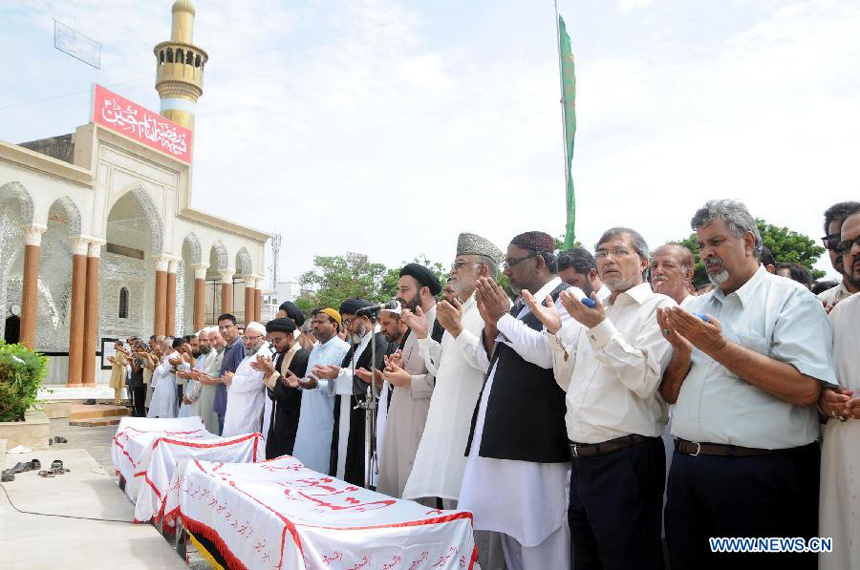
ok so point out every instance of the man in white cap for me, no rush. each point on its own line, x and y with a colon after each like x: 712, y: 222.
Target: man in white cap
x: 245, y: 388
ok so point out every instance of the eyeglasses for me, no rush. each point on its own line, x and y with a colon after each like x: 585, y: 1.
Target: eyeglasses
x: 460, y: 263
x: 509, y: 263
x: 845, y: 246
x: 831, y: 241
x: 347, y: 322
x: 258, y: 337
x: 614, y: 252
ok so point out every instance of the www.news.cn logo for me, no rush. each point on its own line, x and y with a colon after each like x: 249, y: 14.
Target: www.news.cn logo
x: 771, y: 544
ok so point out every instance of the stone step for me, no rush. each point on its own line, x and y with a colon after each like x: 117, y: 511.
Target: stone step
x: 80, y: 412
x: 95, y: 423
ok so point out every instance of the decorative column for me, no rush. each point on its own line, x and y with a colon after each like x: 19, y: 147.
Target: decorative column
x: 170, y: 320
x: 30, y: 293
x: 91, y: 314
x: 200, y: 295
x: 250, y: 283
x: 227, y: 290
x: 79, y: 299
x: 258, y: 299
x: 160, y: 324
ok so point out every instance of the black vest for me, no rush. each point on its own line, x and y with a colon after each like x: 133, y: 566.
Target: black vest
x: 525, y: 409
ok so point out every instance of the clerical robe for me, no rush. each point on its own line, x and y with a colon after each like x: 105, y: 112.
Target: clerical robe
x: 839, y: 506
x: 285, y: 402
x: 459, y: 371
x: 245, y: 397
x: 407, y: 415
x: 348, y: 437
x: 163, y: 402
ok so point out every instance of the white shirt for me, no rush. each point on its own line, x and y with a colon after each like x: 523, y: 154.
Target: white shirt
x: 343, y: 388
x: 835, y: 294
x: 603, y: 293
x: 245, y: 397
x: 612, y: 372
x: 440, y: 460
x: 523, y: 499
x: 773, y: 316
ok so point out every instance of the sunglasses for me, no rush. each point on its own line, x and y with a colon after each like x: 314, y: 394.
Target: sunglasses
x: 831, y: 241
x: 845, y: 246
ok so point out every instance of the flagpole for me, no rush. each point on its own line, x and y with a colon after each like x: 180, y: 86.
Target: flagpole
x: 563, y: 126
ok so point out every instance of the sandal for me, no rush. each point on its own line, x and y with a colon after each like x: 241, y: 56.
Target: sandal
x: 60, y: 439
x: 34, y: 465
x: 45, y: 474
x: 7, y: 475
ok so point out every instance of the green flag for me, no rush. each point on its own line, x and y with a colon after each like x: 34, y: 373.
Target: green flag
x: 568, y: 88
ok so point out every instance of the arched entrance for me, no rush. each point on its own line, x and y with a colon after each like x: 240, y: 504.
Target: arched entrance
x: 134, y: 237
x: 16, y: 209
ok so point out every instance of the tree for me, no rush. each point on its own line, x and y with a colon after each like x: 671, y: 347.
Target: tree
x: 786, y: 245
x: 337, y: 278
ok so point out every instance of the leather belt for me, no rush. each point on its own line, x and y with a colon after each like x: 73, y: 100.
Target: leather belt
x: 695, y: 448
x: 578, y: 450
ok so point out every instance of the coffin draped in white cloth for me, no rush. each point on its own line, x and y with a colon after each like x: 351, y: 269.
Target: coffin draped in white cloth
x: 158, y: 460
x: 278, y: 514
x: 124, y: 463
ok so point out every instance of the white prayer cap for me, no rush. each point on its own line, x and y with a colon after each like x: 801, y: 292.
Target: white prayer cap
x: 210, y: 330
x: 255, y: 326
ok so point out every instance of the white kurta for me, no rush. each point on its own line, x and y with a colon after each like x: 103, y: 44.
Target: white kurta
x: 193, y: 388
x: 522, y: 499
x: 245, y: 397
x: 441, y: 458
x: 163, y: 403
x: 839, y: 516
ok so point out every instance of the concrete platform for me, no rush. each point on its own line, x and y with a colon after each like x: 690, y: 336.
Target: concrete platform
x: 34, y: 542
x: 54, y: 392
x: 32, y: 433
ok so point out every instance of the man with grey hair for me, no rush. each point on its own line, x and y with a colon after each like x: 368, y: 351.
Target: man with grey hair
x: 672, y: 272
x: 746, y: 461
x: 440, y: 462
x: 610, y: 361
x: 245, y: 388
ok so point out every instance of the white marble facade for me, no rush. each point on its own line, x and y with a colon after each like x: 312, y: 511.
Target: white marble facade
x: 135, y: 203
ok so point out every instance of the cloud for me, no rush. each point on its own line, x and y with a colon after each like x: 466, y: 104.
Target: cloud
x: 386, y: 128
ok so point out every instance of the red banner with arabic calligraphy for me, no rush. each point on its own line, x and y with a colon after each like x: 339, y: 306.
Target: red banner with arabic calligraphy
x: 140, y: 124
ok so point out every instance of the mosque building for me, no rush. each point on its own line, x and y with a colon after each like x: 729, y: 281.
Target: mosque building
x: 98, y: 238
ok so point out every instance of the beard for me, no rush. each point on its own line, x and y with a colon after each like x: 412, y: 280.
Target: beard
x: 205, y: 350
x: 357, y: 336
x: 717, y: 273
x: 411, y: 305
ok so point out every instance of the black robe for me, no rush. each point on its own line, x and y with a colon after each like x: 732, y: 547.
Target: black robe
x: 354, y: 468
x: 286, y: 403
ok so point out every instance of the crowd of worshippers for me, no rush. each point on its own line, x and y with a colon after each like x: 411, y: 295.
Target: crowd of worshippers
x: 610, y: 416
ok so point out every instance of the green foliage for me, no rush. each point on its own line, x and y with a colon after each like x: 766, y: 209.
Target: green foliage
x: 558, y: 243
x: 21, y: 373
x: 337, y: 278
x: 786, y: 245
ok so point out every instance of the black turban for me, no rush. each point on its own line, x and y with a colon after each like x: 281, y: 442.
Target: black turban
x: 424, y: 276
x: 281, y: 325
x: 293, y: 312
x: 351, y: 306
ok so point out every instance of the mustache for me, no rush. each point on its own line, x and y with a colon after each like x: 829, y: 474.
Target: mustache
x: 659, y: 278
x: 713, y: 262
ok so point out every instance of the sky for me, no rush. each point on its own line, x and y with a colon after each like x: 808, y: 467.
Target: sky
x: 386, y: 127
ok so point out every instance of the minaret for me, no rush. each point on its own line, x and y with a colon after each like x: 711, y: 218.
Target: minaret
x: 179, y: 68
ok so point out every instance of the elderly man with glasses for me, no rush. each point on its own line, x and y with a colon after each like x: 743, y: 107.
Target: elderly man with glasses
x: 610, y: 360
x: 833, y: 218
x: 515, y: 480
x: 245, y: 389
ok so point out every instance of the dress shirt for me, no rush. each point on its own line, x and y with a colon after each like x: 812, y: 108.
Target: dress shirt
x: 612, y: 372
x: 778, y: 318
x: 835, y: 294
x: 603, y: 294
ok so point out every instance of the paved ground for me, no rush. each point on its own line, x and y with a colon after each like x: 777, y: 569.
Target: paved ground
x: 90, y: 489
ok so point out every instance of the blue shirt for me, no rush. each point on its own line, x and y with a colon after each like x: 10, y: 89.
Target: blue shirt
x: 233, y: 356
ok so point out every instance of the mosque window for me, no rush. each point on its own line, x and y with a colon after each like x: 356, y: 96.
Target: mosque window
x: 161, y: 57
x: 123, y: 303
x: 180, y: 56
x: 169, y: 55
x: 197, y: 61
x: 189, y: 58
